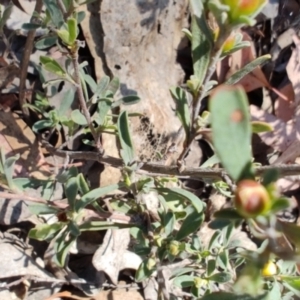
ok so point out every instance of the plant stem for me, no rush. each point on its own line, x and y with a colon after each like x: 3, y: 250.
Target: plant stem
x: 74, y: 56
x: 153, y: 169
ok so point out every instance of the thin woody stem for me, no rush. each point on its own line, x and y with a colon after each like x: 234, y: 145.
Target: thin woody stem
x: 74, y: 56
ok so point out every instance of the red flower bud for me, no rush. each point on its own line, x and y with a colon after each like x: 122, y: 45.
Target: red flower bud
x: 251, y: 198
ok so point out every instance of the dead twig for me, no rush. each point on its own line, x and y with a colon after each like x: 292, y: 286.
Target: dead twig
x: 156, y: 169
x: 25, y: 61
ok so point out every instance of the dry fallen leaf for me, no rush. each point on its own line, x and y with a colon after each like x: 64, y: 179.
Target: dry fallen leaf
x: 113, y: 256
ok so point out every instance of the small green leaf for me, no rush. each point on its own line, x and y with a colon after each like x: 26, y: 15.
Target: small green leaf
x: 211, y: 266
x: 66, y: 103
x: 103, y: 225
x: 62, y: 247
x: 231, y: 130
x: 280, y: 204
x: 236, y: 77
x: 54, y: 12
x: 187, y: 33
x: 270, y: 176
x: 201, y: 40
x: 82, y: 184
x: 168, y: 222
x: 128, y: 100
x: 292, y: 231
x: 144, y: 272
x: 42, y: 124
x: 190, y: 224
x: 78, y: 117
x: 219, y: 223
x: 71, y: 190
x: 80, y: 16
x: 46, y: 42
x: 8, y: 166
x: 72, y: 28
x: 230, y: 296
x: 102, y: 109
x: 45, y: 232
x: 6, y: 15
x: 52, y: 66
x: 213, y: 160
x: 293, y: 283
x: 101, y: 88
x: 41, y: 209
x: 127, y: 151
x: 94, y: 195
x: 259, y: 126
x: 113, y: 86
x: 183, y: 112
x: 184, y: 281
x: 30, y: 26
x: 64, y: 36
x: 221, y: 277
x: 181, y: 193
x: 228, y: 214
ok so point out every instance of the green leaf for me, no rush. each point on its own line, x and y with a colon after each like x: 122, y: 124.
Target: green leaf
x: 182, y: 110
x: 66, y: 103
x: 211, y: 266
x: 41, y: 209
x: 45, y: 232
x: 292, y: 232
x: 168, y: 222
x: 213, y: 160
x: 259, y: 126
x: 231, y: 130
x: 270, y: 176
x: 62, y: 247
x: 187, y: 33
x: 113, y: 86
x: 8, y: 166
x: 78, y: 117
x: 80, y: 16
x: 181, y: 193
x: 236, y: 77
x: 54, y: 12
x: 71, y: 190
x: 82, y: 184
x: 103, y: 225
x: 101, y: 88
x: 52, y: 66
x: 6, y: 15
x: 219, y: 223
x: 42, y: 124
x: 280, y: 204
x: 94, y: 195
x: 221, y: 277
x: 228, y: 214
x: 72, y: 28
x: 184, y: 281
x: 144, y: 272
x: 127, y: 151
x: 64, y: 36
x: 30, y: 26
x: 190, y: 224
x: 293, y: 283
x: 127, y: 100
x: 230, y: 296
x: 102, y: 109
x: 46, y: 42
x: 201, y: 40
